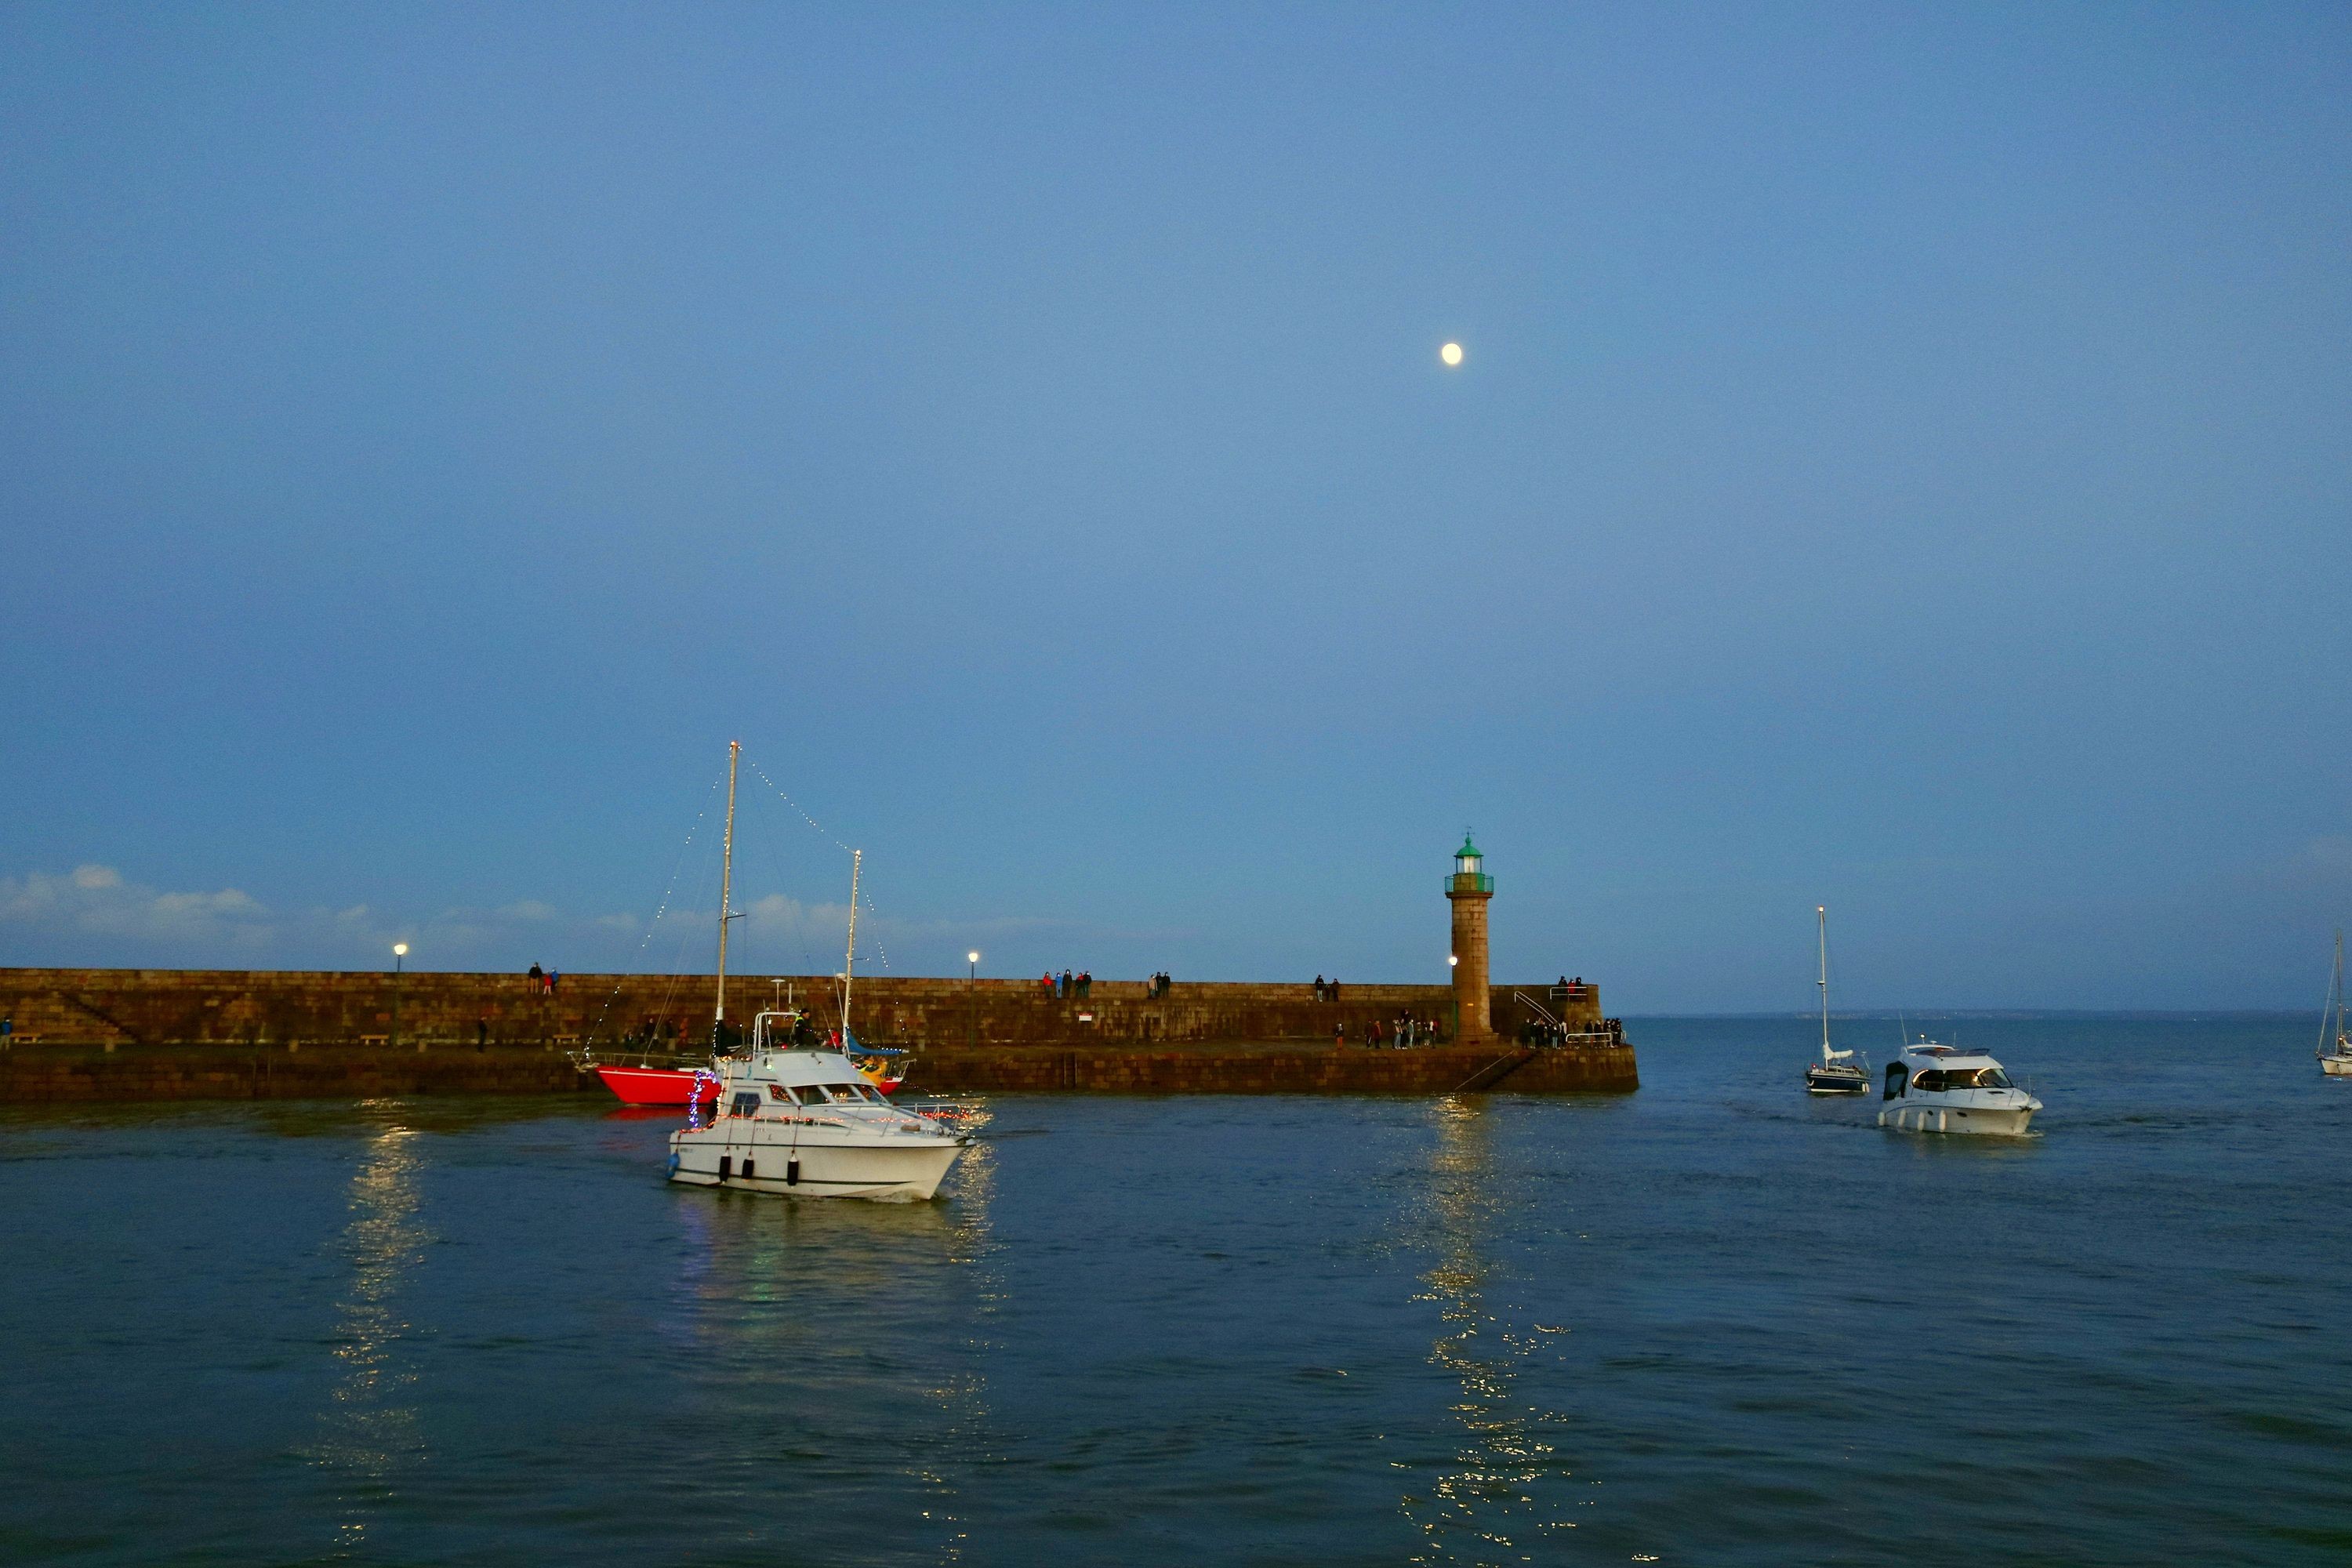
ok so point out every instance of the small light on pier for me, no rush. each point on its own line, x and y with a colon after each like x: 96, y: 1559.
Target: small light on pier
x: 399, y: 956
x: 970, y: 999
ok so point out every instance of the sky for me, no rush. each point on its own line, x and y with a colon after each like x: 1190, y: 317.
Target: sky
x: 1899, y: 462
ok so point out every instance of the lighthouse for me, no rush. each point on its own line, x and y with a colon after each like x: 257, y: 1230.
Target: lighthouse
x: 1468, y: 889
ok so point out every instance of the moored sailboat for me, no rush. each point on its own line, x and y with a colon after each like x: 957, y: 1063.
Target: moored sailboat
x: 2335, y: 1051
x: 1838, y: 1072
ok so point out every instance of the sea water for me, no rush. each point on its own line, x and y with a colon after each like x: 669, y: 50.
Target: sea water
x: 1714, y: 1321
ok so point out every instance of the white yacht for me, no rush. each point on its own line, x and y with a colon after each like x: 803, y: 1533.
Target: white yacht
x: 788, y: 1118
x: 1949, y: 1089
x: 1838, y: 1072
x: 2335, y: 1055
x: 808, y: 1122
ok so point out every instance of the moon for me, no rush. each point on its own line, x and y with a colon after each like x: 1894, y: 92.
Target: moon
x: 1451, y: 353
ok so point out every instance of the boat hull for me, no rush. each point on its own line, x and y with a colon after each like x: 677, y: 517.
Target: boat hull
x: 762, y: 1157
x: 655, y: 1086
x: 1998, y: 1122
x: 1820, y: 1082
x: 2337, y: 1067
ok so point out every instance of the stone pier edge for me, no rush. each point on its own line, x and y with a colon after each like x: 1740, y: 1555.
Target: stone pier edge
x: 120, y: 1034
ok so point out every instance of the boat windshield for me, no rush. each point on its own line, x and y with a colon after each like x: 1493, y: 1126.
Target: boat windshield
x: 1933, y: 1080
x: 819, y: 1093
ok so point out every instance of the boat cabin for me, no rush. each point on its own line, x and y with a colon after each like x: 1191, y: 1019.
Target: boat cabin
x: 1942, y: 1070
x: 783, y: 1084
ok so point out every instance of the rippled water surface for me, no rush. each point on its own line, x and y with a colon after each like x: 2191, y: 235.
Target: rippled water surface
x: 1711, y: 1323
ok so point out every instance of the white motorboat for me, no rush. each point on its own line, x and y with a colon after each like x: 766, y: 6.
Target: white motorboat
x: 808, y: 1122
x: 1947, y: 1088
x: 2335, y: 1051
x: 788, y: 1118
x: 679, y: 1080
x: 1838, y: 1072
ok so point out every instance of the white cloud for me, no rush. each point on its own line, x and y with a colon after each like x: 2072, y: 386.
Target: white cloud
x: 94, y: 914
x: 96, y: 901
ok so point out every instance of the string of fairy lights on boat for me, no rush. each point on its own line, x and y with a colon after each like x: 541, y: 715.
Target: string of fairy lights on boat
x: 702, y: 1075
x: 661, y: 909
x: 865, y: 898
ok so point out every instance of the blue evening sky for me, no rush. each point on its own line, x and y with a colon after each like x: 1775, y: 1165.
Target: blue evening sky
x: 1901, y: 462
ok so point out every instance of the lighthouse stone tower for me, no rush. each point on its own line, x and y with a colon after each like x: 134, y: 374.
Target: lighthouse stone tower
x: 1468, y: 889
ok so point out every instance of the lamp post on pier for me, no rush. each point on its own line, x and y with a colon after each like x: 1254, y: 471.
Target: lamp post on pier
x: 971, y: 997
x: 1451, y: 961
x: 399, y: 955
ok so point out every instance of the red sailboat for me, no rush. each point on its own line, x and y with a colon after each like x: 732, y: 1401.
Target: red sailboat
x: 647, y: 1084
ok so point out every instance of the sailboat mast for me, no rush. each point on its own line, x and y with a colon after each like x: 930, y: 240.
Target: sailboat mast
x: 849, y: 964
x: 726, y: 879
x: 1823, y: 913
x: 2333, y: 1012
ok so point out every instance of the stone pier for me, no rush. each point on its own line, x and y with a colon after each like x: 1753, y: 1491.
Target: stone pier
x: 237, y: 1032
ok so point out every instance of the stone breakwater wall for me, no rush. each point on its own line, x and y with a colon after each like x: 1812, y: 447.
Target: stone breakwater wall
x: 1447, y: 1069
x: 44, y: 1075
x: 280, y: 1007
x: 93, y: 1074
x: 87, y: 1035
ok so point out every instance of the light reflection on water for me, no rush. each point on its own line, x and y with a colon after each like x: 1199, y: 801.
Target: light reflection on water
x: 961, y: 1393
x: 372, y: 1430
x: 1483, y: 1509
x: 811, y: 1306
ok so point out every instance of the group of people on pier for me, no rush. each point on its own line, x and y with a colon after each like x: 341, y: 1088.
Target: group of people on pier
x: 1402, y: 1032
x: 1080, y: 986
x: 1601, y: 1032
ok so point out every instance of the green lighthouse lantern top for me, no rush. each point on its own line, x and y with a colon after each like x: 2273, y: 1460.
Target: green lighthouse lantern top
x: 1468, y: 876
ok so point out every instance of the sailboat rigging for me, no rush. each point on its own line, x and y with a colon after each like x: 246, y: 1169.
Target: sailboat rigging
x: 1838, y: 1072
x: 689, y: 1081
x: 2335, y: 1051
